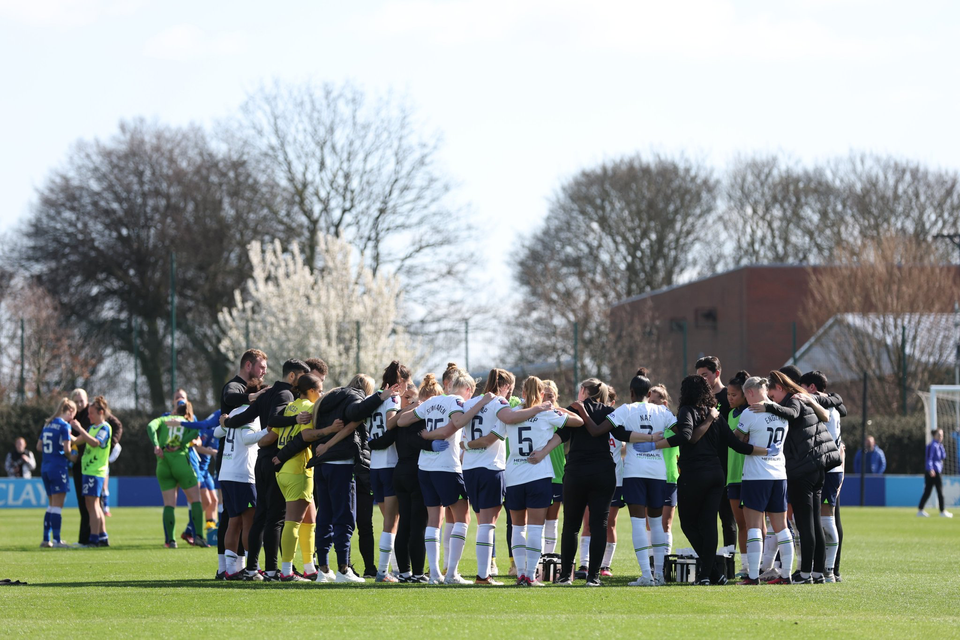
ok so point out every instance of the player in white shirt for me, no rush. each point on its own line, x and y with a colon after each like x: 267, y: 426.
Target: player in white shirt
x: 764, y: 486
x: 646, y: 474
x: 529, y: 483
x: 440, y: 470
x: 382, y: 463
x: 238, y: 489
x: 484, y: 459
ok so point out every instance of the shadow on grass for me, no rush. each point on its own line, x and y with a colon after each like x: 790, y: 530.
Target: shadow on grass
x: 198, y: 583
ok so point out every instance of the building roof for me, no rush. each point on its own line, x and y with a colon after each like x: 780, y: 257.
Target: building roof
x: 931, y: 339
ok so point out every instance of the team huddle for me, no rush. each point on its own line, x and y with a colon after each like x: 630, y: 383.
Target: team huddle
x: 297, y: 467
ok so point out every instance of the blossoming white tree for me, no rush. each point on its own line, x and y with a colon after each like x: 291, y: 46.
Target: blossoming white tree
x: 291, y: 311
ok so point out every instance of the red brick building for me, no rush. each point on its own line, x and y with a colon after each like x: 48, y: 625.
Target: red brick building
x: 714, y: 316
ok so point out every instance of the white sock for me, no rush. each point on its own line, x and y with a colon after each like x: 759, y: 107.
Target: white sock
x: 743, y: 558
x: 754, y: 551
x: 222, y: 562
x: 309, y: 568
x: 447, y: 531
x: 386, y: 548
x: 550, y: 536
x: 769, y: 549
x: 832, y: 541
x: 585, y: 551
x: 231, y: 563
x: 286, y: 568
x: 785, y: 543
x: 608, y: 554
x: 519, y: 547
x: 393, y: 561
x: 641, y: 544
x: 658, y: 538
x: 458, y: 539
x: 485, y: 537
x: 431, y: 540
x: 670, y: 541
x: 534, y: 544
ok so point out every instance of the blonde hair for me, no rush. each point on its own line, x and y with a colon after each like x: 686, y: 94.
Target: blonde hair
x: 78, y: 393
x: 532, y: 392
x: 363, y: 382
x: 429, y: 387
x: 462, y: 380
x: 65, y: 403
x: 662, y: 392
x: 596, y: 390
x: 556, y: 392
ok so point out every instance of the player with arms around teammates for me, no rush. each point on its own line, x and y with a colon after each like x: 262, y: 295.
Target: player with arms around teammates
x: 94, y: 466
x: 55, y: 444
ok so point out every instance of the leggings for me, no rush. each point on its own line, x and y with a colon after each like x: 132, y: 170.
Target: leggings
x: 728, y: 524
x: 804, y: 492
x: 84, y: 536
x: 268, y: 517
x: 929, y: 483
x: 584, y: 488
x: 409, y: 547
x: 836, y: 515
x: 698, y: 496
x: 365, y: 519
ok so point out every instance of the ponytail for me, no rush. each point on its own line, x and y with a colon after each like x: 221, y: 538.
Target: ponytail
x: 395, y: 373
x: 499, y: 378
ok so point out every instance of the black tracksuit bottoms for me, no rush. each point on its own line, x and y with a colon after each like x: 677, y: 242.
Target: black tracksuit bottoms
x: 268, y: 517
x: 698, y: 496
x: 804, y: 492
x: 582, y: 488
x: 409, y: 547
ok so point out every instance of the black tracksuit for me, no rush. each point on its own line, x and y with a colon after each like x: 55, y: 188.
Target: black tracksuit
x: 409, y: 547
x: 728, y: 524
x: 803, y: 449
x: 116, y: 430
x: 700, y: 485
x: 589, y: 480
x: 271, y: 506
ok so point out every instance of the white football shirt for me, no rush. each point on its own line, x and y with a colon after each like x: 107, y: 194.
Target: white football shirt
x: 436, y: 412
x: 377, y: 427
x: 648, y: 418
x: 483, y: 424
x: 833, y: 426
x: 525, y: 438
x: 239, y: 458
x: 763, y: 429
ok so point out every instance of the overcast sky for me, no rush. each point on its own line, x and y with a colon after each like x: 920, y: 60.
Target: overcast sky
x: 524, y: 92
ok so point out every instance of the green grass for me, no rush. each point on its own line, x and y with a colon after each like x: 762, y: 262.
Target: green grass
x: 900, y: 579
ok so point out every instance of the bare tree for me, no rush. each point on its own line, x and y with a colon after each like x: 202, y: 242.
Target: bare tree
x: 623, y: 228
x: 340, y: 164
x: 102, y: 232
x: 892, y: 286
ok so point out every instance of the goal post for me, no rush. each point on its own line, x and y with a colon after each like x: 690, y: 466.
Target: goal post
x: 942, y: 411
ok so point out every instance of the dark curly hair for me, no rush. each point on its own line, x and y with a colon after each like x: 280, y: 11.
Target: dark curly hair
x: 696, y: 393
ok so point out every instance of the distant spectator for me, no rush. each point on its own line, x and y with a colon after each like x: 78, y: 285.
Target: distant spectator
x: 933, y: 468
x: 20, y: 463
x: 876, y: 461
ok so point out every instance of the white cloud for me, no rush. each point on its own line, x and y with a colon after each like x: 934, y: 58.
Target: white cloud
x: 188, y: 42
x: 65, y: 13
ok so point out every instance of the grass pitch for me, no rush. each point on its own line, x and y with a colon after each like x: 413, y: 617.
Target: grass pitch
x: 900, y: 572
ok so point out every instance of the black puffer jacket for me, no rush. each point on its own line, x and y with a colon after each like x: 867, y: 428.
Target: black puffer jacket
x: 808, y: 447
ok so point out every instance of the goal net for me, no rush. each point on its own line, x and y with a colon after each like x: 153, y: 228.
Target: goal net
x: 942, y: 409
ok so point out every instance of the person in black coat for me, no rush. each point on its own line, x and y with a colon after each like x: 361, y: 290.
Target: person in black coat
x: 807, y: 454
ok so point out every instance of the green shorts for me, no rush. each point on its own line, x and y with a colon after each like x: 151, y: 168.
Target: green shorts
x: 174, y: 470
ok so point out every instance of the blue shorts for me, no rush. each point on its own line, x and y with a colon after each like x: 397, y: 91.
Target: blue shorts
x: 441, y: 488
x: 764, y: 495
x: 55, y: 480
x: 92, y: 486
x: 733, y: 491
x: 537, y: 494
x: 618, y: 499
x: 670, y: 497
x: 557, y: 492
x: 831, y: 488
x: 646, y: 491
x: 238, y: 497
x: 205, y: 480
x: 485, y: 488
x: 381, y: 483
